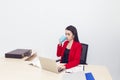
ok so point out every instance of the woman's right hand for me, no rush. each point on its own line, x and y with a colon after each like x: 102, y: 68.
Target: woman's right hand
x: 60, y: 43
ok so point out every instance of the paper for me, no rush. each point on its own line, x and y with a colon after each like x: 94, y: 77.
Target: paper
x: 32, y: 57
x: 80, y: 75
x: 75, y: 69
x: 35, y: 62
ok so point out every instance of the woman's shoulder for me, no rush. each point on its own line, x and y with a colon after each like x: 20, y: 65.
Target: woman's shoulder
x: 77, y: 44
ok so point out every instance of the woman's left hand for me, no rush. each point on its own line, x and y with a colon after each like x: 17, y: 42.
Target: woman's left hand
x: 61, y: 67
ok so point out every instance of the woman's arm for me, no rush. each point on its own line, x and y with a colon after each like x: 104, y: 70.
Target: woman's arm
x: 59, y: 50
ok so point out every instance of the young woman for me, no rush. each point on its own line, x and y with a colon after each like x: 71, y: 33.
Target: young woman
x: 70, y: 50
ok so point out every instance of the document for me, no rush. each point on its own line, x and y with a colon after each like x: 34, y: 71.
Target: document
x: 35, y: 62
x: 80, y: 75
x: 75, y: 69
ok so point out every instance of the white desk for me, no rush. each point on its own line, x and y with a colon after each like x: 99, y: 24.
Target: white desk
x: 17, y: 69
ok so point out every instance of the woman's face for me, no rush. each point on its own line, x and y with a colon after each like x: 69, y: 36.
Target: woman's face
x: 69, y: 35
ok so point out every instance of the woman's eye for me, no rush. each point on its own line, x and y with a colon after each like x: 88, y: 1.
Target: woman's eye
x: 67, y: 34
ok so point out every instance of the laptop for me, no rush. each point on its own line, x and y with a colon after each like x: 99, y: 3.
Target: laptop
x: 49, y: 65
x: 74, y: 76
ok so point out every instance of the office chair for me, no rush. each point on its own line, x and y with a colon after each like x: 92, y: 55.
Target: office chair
x: 84, y: 54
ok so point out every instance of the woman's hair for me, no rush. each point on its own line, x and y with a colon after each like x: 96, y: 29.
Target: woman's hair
x: 74, y: 31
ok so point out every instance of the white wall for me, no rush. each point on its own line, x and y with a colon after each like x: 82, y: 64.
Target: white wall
x: 37, y: 24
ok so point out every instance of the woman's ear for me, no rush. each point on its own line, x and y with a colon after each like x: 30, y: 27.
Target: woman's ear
x: 73, y: 36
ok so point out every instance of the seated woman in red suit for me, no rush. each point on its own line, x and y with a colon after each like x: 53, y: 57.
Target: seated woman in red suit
x: 70, y: 50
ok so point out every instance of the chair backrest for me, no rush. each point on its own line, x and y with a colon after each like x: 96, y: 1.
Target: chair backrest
x: 84, y: 53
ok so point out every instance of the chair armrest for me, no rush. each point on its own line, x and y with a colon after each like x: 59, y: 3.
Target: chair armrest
x: 58, y: 60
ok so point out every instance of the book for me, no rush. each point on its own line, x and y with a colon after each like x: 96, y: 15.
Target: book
x: 18, y: 53
x: 89, y: 76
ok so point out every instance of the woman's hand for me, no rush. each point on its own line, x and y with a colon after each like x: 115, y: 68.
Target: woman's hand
x: 60, y: 43
x: 61, y: 67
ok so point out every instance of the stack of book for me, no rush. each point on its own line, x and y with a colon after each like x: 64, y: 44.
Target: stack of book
x: 18, y: 53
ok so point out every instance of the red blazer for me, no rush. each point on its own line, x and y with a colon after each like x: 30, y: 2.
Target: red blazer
x: 74, y: 54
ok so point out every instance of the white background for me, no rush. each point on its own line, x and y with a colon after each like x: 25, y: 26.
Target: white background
x: 38, y: 24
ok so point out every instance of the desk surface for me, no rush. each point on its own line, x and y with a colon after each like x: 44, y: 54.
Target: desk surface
x: 17, y: 69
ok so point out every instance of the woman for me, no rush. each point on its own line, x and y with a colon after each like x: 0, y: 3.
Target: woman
x: 70, y: 50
